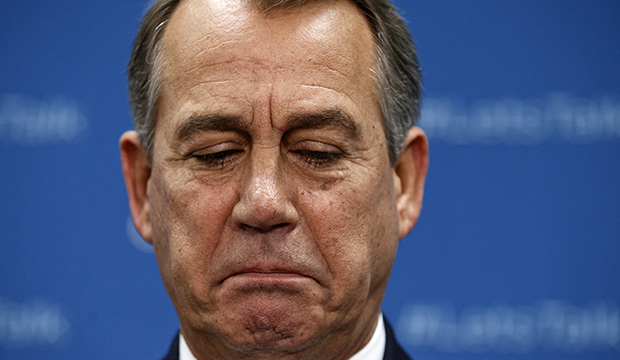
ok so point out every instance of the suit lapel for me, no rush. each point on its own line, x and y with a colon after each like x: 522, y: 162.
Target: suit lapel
x: 173, y: 353
x: 393, y: 351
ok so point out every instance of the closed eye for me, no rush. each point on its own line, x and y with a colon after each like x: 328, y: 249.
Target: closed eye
x: 218, y: 159
x: 319, y: 158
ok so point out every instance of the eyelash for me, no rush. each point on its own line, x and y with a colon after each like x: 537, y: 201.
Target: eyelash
x: 218, y: 159
x: 319, y: 158
x: 316, y: 159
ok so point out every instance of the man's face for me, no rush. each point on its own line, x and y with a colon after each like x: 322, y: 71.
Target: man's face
x: 271, y: 198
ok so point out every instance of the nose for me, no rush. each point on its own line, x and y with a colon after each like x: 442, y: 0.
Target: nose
x: 265, y: 202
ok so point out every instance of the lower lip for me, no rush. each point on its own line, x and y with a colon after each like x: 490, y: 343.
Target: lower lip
x: 269, y: 276
x: 290, y: 279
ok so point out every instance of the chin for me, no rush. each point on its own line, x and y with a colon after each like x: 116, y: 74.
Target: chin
x: 271, y: 323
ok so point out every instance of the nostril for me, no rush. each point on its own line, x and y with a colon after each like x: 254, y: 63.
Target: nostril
x: 278, y: 226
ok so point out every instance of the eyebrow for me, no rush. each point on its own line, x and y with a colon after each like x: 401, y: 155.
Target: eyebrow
x: 325, y: 118
x: 337, y: 118
x: 210, y: 122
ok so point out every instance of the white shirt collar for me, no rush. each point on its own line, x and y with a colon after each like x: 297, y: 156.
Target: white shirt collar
x: 184, y: 352
x: 374, y: 350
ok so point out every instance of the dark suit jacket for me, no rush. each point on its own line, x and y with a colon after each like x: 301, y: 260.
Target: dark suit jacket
x: 393, y: 351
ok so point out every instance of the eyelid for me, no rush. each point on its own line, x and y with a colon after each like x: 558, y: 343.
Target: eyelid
x: 219, y: 147
x: 313, y: 145
x: 317, y: 155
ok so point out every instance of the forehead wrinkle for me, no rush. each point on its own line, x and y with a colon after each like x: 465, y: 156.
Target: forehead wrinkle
x: 205, y: 67
x: 334, y: 70
x: 203, y: 50
x: 331, y: 89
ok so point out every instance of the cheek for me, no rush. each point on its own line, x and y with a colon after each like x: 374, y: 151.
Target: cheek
x: 187, y: 232
x: 353, y: 225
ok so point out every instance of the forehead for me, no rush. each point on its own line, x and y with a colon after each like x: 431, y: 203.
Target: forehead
x: 210, y: 41
x: 336, y: 25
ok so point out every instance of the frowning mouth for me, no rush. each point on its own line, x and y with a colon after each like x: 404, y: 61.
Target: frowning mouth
x: 266, y: 276
x: 268, y: 282
x: 258, y: 274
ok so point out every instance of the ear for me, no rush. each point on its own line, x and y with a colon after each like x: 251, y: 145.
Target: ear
x: 137, y: 172
x: 409, y: 176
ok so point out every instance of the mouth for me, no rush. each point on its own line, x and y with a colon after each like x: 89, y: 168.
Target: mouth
x: 276, y: 276
x: 266, y: 274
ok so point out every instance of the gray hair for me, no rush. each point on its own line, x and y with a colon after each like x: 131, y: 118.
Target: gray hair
x: 398, y: 87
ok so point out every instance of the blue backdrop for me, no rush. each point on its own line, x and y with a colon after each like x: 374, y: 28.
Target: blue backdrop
x: 517, y: 252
